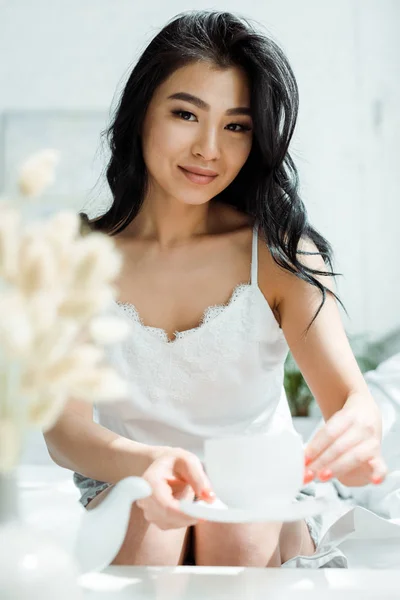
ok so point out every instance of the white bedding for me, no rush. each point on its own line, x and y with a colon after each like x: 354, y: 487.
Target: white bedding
x: 367, y: 539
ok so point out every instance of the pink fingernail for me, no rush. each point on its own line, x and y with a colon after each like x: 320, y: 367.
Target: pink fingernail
x: 377, y: 480
x: 308, y: 476
x: 307, y: 460
x: 207, y: 494
x: 325, y: 474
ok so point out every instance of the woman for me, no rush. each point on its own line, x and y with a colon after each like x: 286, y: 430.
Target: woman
x: 207, y: 214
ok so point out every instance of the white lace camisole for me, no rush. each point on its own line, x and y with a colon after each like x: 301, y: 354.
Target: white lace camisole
x: 223, y: 377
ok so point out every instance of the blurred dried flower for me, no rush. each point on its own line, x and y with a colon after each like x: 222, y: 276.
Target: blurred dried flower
x: 38, y: 172
x: 55, y: 288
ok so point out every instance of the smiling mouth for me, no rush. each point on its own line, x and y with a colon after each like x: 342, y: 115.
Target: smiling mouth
x: 197, y: 178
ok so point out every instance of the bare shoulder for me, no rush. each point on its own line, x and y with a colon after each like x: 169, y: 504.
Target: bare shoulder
x: 307, y: 254
x: 270, y: 276
x: 277, y: 283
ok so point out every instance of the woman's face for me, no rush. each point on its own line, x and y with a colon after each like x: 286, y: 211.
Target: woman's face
x: 197, y: 133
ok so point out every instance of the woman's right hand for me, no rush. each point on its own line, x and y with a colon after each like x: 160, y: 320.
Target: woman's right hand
x: 174, y: 475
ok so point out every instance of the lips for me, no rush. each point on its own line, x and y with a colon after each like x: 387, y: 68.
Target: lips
x: 199, y: 175
x: 200, y: 171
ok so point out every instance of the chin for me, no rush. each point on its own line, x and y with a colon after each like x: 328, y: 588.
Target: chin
x: 191, y: 198
x: 194, y: 201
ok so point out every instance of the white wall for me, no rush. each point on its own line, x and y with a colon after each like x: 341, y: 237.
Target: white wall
x: 72, y: 55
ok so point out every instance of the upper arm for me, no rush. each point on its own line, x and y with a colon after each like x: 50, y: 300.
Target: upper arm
x: 52, y: 436
x: 323, y: 354
x: 73, y: 407
x: 80, y: 407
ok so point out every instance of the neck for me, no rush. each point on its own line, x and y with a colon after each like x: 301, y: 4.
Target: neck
x: 170, y: 222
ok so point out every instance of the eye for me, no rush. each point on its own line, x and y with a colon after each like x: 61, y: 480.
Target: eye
x: 184, y: 114
x: 237, y: 127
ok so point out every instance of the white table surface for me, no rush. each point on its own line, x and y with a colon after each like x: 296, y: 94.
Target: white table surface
x: 229, y: 583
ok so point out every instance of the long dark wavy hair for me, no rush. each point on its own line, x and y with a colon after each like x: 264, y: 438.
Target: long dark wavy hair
x: 266, y: 188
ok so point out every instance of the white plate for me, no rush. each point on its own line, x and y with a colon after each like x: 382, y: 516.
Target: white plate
x: 221, y: 513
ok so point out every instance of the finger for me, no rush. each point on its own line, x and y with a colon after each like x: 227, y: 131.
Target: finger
x: 180, y: 489
x: 343, y: 444
x: 191, y: 470
x: 379, y: 470
x: 162, y: 493
x: 165, y: 515
x: 207, y: 495
x: 327, y: 435
x: 355, y: 458
x: 162, y: 505
x: 176, y: 480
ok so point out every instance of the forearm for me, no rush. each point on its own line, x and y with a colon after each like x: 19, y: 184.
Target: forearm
x: 81, y: 445
x: 363, y: 407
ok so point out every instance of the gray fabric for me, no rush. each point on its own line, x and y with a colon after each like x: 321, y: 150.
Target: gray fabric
x: 89, y: 488
x: 327, y: 557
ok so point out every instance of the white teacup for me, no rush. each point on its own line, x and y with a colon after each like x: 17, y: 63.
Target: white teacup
x: 252, y: 471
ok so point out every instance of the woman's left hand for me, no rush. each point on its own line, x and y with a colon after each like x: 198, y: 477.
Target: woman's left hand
x: 348, y: 446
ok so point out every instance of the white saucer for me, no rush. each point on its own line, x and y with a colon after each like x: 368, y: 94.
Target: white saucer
x: 221, y: 513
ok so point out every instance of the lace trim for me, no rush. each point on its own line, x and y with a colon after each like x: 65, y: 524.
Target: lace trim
x: 209, y: 315
x: 233, y: 346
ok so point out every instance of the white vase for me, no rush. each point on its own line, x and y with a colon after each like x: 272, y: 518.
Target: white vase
x: 32, y: 565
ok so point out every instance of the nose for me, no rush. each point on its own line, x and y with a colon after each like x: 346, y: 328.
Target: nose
x: 207, y: 145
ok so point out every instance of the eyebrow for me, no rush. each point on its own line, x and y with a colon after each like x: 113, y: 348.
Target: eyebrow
x: 239, y: 110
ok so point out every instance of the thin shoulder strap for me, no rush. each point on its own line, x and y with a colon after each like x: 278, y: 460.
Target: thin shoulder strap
x: 254, y: 257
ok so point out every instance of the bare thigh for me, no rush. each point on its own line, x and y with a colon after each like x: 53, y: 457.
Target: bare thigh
x: 251, y: 545
x: 144, y: 543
